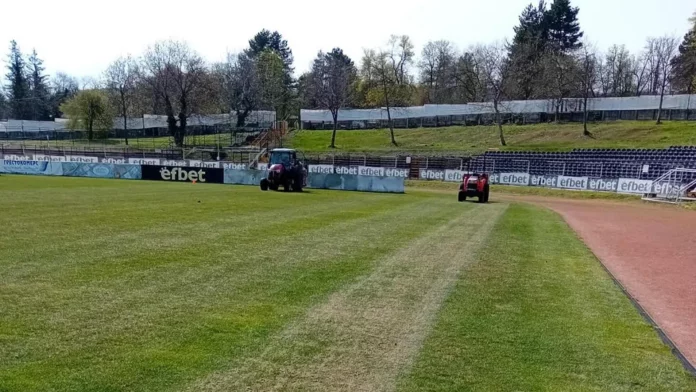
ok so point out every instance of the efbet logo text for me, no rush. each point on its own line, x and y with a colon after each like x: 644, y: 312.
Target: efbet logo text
x: 181, y: 174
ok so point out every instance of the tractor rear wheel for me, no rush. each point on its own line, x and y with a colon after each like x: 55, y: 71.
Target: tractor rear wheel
x: 297, y: 185
x: 486, y: 193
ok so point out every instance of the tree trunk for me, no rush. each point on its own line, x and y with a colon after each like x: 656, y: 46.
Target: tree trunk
x: 181, y: 134
x: 241, y: 117
x: 585, y: 132
x: 125, y: 126
x: 659, y: 109
x: 500, y: 124
x: 389, y: 120
x: 171, y: 120
x: 391, y: 126
x: 334, y: 114
x: 90, y: 129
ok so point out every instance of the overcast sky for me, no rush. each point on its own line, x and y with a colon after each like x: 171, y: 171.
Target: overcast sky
x: 82, y: 37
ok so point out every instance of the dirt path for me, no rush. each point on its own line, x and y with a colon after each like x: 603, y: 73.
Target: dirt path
x: 651, y: 250
x: 368, y: 333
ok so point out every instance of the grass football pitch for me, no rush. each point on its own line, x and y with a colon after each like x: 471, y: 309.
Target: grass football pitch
x: 110, y: 285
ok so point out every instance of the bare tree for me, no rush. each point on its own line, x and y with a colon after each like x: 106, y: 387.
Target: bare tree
x: 240, y: 86
x: 586, y: 58
x: 377, y: 66
x: 617, y: 72
x: 174, y: 73
x: 492, y: 62
x: 400, y: 55
x: 121, y: 79
x: 468, y: 86
x: 331, y: 83
x: 665, y: 49
x: 561, y: 73
x: 387, y: 75
x: 438, y: 60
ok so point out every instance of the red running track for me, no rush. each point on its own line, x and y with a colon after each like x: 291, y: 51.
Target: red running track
x: 651, y: 251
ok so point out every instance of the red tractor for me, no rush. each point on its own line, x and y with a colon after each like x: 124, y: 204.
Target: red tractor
x: 475, y: 185
x: 285, y: 170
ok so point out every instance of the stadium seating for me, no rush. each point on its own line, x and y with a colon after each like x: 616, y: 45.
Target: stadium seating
x: 607, y: 163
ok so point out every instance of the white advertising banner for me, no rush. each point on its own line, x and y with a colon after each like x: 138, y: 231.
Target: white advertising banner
x: 50, y: 158
x: 632, y: 185
x: 262, y: 166
x: 513, y: 178
x: 18, y: 157
x: 370, y: 171
x: 665, y: 188
x: 210, y: 164
x: 395, y: 172
x: 144, y: 161
x: 321, y: 169
x: 603, y: 185
x: 346, y: 170
x: 454, y: 175
x: 544, y: 181
x: 234, y: 166
x: 430, y: 174
x: 578, y: 183
x: 113, y: 160
x: 82, y: 159
x: 178, y: 163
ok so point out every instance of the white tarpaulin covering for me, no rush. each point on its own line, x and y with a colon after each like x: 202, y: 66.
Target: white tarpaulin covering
x: 147, y: 121
x: 646, y: 102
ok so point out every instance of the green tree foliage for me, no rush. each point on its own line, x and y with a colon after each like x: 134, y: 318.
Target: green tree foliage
x: 526, y: 51
x: 89, y: 110
x: 266, y: 41
x: 18, y: 85
x: 541, y: 35
x: 684, y: 64
x: 273, y: 41
x: 532, y: 29
x: 63, y: 87
x: 561, y: 22
x: 271, y: 74
x: 40, y: 96
x: 3, y: 106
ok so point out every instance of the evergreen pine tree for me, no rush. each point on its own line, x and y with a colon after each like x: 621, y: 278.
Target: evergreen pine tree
x: 273, y: 41
x: 40, y: 104
x: 18, y: 86
x: 528, y: 46
x: 563, y: 26
x: 532, y: 29
x: 3, y: 106
x: 684, y: 64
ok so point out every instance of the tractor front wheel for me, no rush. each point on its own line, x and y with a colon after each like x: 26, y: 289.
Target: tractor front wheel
x: 462, y: 196
x: 264, y: 184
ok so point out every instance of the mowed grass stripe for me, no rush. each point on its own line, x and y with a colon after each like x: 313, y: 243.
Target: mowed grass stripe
x: 59, y: 255
x: 538, y: 312
x: 153, y: 320
x: 367, y: 333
